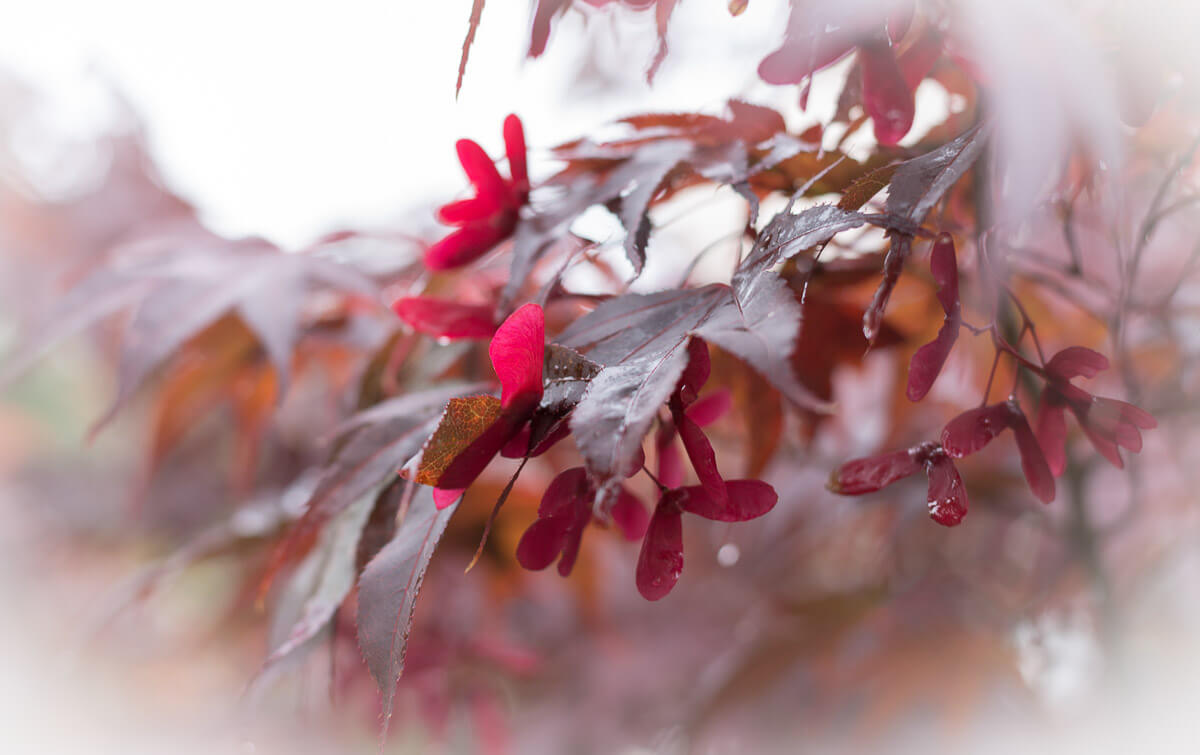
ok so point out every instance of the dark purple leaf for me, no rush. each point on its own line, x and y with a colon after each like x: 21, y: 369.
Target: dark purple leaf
x: 387, y: 593
x: 921, y: 182
x: 375, y: 445
x: 916, y: 187
x: 787, y: 235
x: 641, y: 342
x: 319, y: 583
x: 381, y: 524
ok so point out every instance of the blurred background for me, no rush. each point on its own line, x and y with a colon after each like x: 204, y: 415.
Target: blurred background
x: 830, y: 626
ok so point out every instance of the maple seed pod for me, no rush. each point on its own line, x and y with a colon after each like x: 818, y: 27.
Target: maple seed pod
x: 928, y: 361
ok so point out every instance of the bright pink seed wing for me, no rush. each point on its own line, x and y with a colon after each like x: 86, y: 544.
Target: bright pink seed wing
x: 886, y: 97
x: 443, y: 497
x: 661, y: 560
x: 1052, y: 433
x: 1033, y: 460
x: 514, y: 146
x: 630, y: 516
x: 748, y: 499
x: 463, y: 211
x: 704, y: 459
x: 873, y: 473
x: 975, y: 428
x: 947, y: 494
x: 445, y: 319
x: 481, y: 171
x: 1076, y: 361
x: 710, y: 408
x: 464, y: 246
x: 517, y: 352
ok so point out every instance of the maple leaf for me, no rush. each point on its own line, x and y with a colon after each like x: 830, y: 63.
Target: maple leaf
x: 474, y: 430
x: 266, y: 515
x: 222, y: 364
x: 831, y: 334
x: 547, y: 9
x: 387, y: 593
x: 641, y: 343
x: 787, y: 235
x: 371, y: 447
x: 867, y: 186
x: 178, y: 285
x: 320, y: 583
x: 666, y: 152
x: 916, y: 186
x: 540, y: 31
x: 466, y: 429
x: 380, y: 526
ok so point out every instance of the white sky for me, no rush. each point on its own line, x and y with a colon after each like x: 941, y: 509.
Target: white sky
x: 288, y: 119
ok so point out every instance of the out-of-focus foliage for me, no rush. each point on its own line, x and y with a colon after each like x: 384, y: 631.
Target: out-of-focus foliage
x: 344, y: 423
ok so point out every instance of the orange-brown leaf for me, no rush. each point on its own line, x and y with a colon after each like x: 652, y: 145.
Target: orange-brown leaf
x: 464, y: 420
x: 865, y: 187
